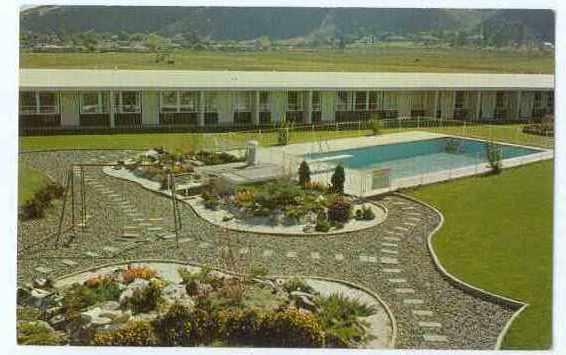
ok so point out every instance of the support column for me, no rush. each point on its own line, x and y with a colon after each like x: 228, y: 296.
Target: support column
x: 478, y: 106
x: 308, y: 108
x: 436, y: 95
x: 200, y: 121
x: 112, y: 110
x: 518, y: 107
x: 255, y: 108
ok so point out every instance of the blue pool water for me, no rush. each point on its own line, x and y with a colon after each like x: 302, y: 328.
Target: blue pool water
x: 420, y: 157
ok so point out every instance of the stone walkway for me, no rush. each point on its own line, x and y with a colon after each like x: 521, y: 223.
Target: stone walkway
x: 127, y: 223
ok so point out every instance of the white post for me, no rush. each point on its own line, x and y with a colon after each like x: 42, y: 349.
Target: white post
x: 112, y: 111
x: 478, y: 106
x: 201, y: 109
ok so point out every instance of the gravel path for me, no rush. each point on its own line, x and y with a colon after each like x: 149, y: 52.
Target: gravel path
x: 390, y: 259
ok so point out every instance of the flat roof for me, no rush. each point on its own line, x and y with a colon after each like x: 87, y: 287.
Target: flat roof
x: 86, y: 79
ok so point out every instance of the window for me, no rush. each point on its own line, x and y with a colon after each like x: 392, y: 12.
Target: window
x: 38, y: 102
x: 179, y: 101
x: 316, y: 101
x: 264, y: 105
x: 390, y: 101
x: 294, y: 101
x: 361, y: 101
x: 342, y: 101
x: 500, y: 100
x: 210, y: 102
x: 93, y: 102
x: 189, y: 101
x: 550, y: 102
x: 242, y: 102
x: 459, y: 100
x: 374, y: 97
x: 127, y: 102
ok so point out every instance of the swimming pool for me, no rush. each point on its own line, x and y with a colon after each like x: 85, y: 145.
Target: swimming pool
x: 419, y: 157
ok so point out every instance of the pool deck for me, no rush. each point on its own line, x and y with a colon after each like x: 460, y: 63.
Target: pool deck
x: 358, y: 182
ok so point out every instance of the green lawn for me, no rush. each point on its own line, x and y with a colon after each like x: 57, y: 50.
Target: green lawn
x: 186, y: 141
x: 366, y: 60
x: 29, y: 182
x: 498, y: 236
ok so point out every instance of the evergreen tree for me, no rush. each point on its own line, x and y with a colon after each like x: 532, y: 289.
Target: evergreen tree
x: 304, y: 173
x: 338, y: 179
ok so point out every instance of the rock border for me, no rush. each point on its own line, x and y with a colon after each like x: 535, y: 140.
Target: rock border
x: 391, y: 343
x: 466, y: 287
x: 147, y: 185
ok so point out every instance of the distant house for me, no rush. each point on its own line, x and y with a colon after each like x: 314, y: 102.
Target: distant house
x: 77, y: 99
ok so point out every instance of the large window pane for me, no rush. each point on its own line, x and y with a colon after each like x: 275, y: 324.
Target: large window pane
x: 93, y: 102
x: 28, y: 102
x: 169, y: 98
x: 361, y: 99
x: 316, y: 100
x: 188, y: 101
x: 242, y: 102
x: 48, y: 102
x: 210, y: 102
x: 342, y: 101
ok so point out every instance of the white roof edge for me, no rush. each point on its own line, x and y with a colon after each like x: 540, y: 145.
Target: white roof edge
x: 94, y: 79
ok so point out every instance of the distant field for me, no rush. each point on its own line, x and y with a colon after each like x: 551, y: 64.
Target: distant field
x: 381, y: 59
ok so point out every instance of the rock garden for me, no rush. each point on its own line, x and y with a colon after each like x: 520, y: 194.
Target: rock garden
x: 181, y: 305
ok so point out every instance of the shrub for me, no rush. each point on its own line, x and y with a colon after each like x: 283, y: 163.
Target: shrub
x: 164, y: 183
x: 359, y: 215
x: 322, y: 224
x: 316, y: 186
x: 338, y: 179
x: 42, y: 199
x: 239, y: 326
x: 174, y: 327
x: 216, y: 158
x: 367, y: 213
x: 297, y: 284
x: 283, y: 136
x: 38, y: 333
x: 339, y: 317
x: 304, y: 174
x: 105, y: 288
x: 494, y: 157
x: 133, y: 333
x: 78, y: 297
x: 231, y: 293
x: 137, y: 272
x: 145, y: 299
x: 291, y: 327
x: 279, y: 194
x: 340, y: 211
x: 211, y: 201
x: 374, y: 126
x: 204, y: 323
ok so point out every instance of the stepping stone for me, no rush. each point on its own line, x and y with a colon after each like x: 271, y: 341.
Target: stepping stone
x: 155, y: 219
x: 372, y: 259
x: 155, y: 229
x: 267, y: 253
x: 409, y: 224
x: 401, y: 228
x: 43, y: 270
x: 430, y: 325
x: 130, y: 235
x: 388, y: 260
x: 392, y: 245
x: 422, y: 313
x: 397, y: 281
x: 111, y: 250
x: 185, y: 240
x: 203, y: 245
x: 409, y: 208
x: 144, y: 224
x: 412, y: 301
x: 315, y: 255
x: 392, y: 271
x: 392, y: 239
x: 244, y: 251
x: 292, y: 254
x: 389, y: 251
x: 435, y: 338
x: 416, y: 214
x: 404, y: 290
x: 170, y: 236
x: 413, y: 219
x: 363, y: 258
x: 339, y: 257
x: 69, y: 262
x: 131, y: 227
x: 389, y: 232
x: 92, y: 254
x: 139, y: 219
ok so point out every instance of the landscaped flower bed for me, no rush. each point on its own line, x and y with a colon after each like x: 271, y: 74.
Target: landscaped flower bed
x: 136, y: 306
x: 307, y: 208
x: 157, y: 164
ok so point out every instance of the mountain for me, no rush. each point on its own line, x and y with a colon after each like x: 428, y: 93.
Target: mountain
x: 231, y: 23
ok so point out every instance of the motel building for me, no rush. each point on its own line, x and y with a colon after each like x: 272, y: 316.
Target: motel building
x: 75, y: 99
